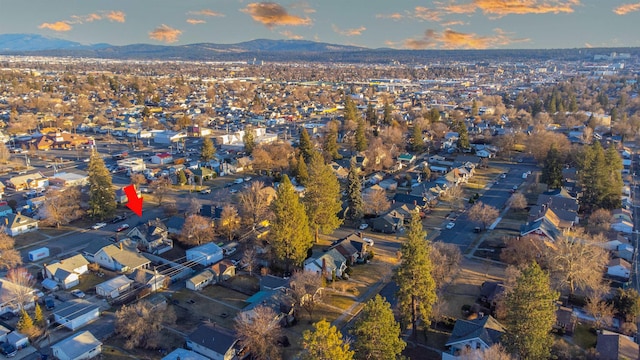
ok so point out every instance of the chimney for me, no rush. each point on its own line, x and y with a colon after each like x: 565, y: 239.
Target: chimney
x: 324, y: 265
x: 120, y: 246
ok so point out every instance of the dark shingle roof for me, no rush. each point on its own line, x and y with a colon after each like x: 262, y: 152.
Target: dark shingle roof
x: 209, y: 336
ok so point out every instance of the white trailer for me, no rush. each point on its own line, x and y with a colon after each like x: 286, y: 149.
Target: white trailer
x: 38, y: 254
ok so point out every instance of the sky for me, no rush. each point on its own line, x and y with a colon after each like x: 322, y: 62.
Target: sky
x: 399, y: 24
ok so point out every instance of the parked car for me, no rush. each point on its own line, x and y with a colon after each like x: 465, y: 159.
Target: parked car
x: 122, y: 227
x: 450, y: 225
x: 77, y: 293
x: 49, y: 304
x: 368, y: 241
x: 99, y: 225
x: 118, y: 218
x: 205, y: 191
x: 363, y: 226
x: 7, y: 349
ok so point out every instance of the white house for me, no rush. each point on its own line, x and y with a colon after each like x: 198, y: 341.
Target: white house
x: 80, y: 346
x: 67, y: 272
x: 184, y: 354
x: 112, y: 288
x: 162, y: 158
x: 168, y: 137
x: 205, y: 254
x: 76, y: 313
x: 480, y: 333
x: 619, y: 268
x: 16, y: 224
x: 118, y: 258
x: 331, y: 263
x: 212, y: 342
x: 622, y: 225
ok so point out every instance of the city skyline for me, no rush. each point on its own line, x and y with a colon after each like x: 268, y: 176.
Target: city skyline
x: 408, y: 24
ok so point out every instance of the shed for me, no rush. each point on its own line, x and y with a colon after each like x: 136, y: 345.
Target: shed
x: 114, y: 287
x: 20, y: 341
x: 201, y: 280
x: 77, y: 347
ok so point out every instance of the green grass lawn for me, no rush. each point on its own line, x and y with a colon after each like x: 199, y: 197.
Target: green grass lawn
x: 584, y: 337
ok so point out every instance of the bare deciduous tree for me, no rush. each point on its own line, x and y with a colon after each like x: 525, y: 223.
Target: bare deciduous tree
x: 58, y: 210
x: 160, y: 189
x: 140, y: 324
x: 484, y: 214
x: 448, y: 257
x: 249, y: 259
x: 521, y: 251
x: 194, y: 206
x: 517, y: 201
x: 138, y: 179
x: 599, y: 221
x: 376, y: 202
x: 229, y: 221
x: 254, y: 203
x: 306, y: 290
x: 598, y: 307
x: 9, y: 256
x: 22, y: 292
x: 259, y: 331
x: 196, y: 230
x: 454, y: 196
x: 495, y: 352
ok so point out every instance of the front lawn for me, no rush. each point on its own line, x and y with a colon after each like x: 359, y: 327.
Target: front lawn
x: 584, y: 336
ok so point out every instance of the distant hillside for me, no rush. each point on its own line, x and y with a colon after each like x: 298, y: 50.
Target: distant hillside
x: 282, y: 50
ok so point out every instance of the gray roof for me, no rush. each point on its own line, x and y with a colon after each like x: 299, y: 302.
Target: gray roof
x: 75, y: 308
x: 613, y: 346
x: 212, y: 337
x: 487, y: 329
x: 78, y: 344
x: 95, y: 245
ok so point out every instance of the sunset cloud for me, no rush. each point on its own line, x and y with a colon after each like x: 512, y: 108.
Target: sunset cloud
x: 394, y: 16
x: 271, y: 14
x: 60, y: 26
x: 423, y: 13
x: 117, y: 16
x: 206, y: 12
x: 453, y: 23
x: 165, y: 33
x: 626, y: 8
x: 195, y: 21
x: 349, y: 32
x: 450, y: 39
x: 290, y: 35
x: 79, y: 19
x: 501, y: 8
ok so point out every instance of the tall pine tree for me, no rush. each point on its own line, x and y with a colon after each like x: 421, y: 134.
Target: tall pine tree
x: 355, y: 202
x: 372, y: 117
x: 306, y: 147
x: 322, y: 196
x: 301, y: 172
x: 102, y: 197
x: 360, y: 136
x: 552, y: 169
x: 416, y: 287
x: 378, y: 334
x: 290, y: 234
x: 249, y: 141
x: 331, y: 141
x: 417, y: 140
x: 325, y: 342
x: 463, y: 135
x: 593, y: 177
x: 613, y: 188
x: 531, y: 313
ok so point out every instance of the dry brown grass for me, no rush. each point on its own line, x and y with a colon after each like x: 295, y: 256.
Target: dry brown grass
x: 191, y: 314
x: 226, y: 295
x: 113, y: 348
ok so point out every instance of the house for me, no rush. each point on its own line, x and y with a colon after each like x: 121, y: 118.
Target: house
x: 28, y: 181
x: 80, y: 346
x: 18, y: 340
x: 278, y: 300
x: 60, y: 140
x: 332, y: 264
x: 150, y: 279
x: 619, y: 268
x: 389, y: 184
x: 212, y: 342
x: 117, y: 258
x: 270, y: 282
x: 184, y: 354
x: 121, y: 195
x: 16, y: 224
x: 201, y: 280
x: 205, y: 254
x: 93, y: 247
x: 223, y: 270
x: 152, y: 237
x: 162, y: 159
x: 5, y: 210
x: 565, y: 320
x: 490, y: 291
x: 622, y: 225
x: 174, y: 225
x: 64, y: 179
x: 614, y: 346
x: 543, y: 228
x: 67, y: 272
x: 112, y: 288
x: 76, y: 313
x: 388, y: 223
x: 480, y: 333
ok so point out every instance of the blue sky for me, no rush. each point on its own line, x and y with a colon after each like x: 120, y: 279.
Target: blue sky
x: 401, y: 24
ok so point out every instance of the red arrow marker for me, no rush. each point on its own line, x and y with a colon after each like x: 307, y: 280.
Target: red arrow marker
x: 134, y: 203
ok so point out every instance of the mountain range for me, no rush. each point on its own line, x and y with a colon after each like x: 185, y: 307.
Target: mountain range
x: 278, y: 51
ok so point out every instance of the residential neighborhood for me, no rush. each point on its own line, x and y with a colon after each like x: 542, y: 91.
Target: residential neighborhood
x: 489, y: 197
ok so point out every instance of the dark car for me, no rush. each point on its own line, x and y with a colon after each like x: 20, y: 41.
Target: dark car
x: 49, y: 303
x: 8, y: 350
x: 118, y: 218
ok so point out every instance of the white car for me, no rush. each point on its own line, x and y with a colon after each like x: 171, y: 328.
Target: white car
x: 368, y: 241
x: 98, y: 226
x: 77, y: 293
x: 450, y: 225
x: 363, y: 226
